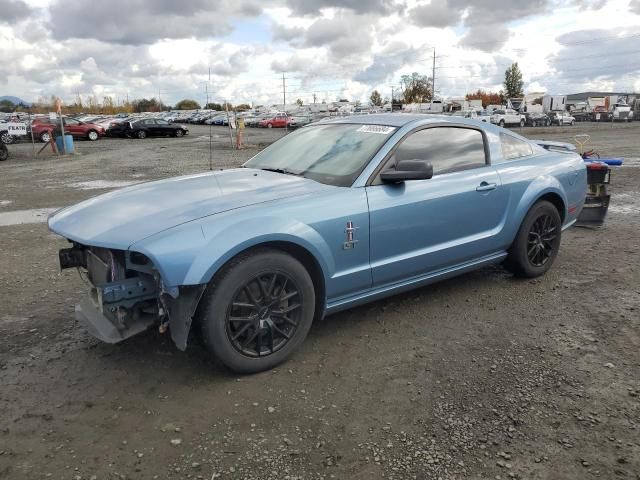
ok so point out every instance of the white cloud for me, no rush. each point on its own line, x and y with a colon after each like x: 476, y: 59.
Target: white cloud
x: 333, y: 49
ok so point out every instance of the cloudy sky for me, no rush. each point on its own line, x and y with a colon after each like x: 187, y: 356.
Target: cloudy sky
x: 330, y: 48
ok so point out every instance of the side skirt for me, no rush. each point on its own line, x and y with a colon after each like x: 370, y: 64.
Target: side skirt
x: 415, y: 282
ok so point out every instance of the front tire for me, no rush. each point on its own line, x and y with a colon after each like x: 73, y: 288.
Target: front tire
x: 522, y: 123
x: 93, y: 135
x: 45, y: 137
x: 257, y: 310
x: 536, y: 246
x: 179, y: 132
x: 141, y: 134
x: 501, y: 123
x: 7, y: 138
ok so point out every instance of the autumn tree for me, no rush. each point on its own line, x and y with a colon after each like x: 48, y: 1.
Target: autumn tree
x: 488, y: 98
x: 416, y: 88
x: 376, y: 98
x: 513, y: 84
x: 107, y: 105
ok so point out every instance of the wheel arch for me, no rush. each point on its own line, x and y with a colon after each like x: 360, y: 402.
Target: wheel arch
x: 302, y: 255
x: 557, y: 201
x: 544, y: 188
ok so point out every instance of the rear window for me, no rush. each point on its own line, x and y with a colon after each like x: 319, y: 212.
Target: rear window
x: 514, y: 148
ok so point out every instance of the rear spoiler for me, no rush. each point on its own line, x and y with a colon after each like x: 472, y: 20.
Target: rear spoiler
x: 556, y: 146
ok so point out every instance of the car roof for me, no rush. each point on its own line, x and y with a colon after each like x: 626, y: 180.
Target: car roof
x: 402, y: 119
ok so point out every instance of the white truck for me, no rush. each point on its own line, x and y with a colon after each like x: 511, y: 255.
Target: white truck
x: 508, y: 117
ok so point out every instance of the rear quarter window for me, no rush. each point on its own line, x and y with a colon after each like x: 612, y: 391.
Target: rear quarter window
x: 513, y: 148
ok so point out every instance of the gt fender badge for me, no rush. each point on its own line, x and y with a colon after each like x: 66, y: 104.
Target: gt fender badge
x: 350, y: 232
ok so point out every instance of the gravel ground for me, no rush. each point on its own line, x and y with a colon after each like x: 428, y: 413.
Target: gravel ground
x: 483, y: 376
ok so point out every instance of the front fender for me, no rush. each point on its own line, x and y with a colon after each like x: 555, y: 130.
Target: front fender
x: 224, y: 244
x: 192, y: 253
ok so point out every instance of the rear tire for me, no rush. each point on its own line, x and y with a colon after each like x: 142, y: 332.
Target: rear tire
x: 141, y: 134
x: 179, y: 132
x: 537, y: 243
x: 45, y: 137
x: 257, y: 310
x: 501, y: 123
x: 522, y: 122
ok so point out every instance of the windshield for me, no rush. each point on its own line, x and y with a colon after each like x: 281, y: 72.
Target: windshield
x: 334, y: 154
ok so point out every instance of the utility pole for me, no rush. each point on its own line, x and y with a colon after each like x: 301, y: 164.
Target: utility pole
x: 210, y: 128
x: 433, y: 80
x: 392, y: 98
x: 314, y: 98
x: 284, y: 103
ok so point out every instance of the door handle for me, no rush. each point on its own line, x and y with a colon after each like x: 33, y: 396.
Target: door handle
x: 485, y: 187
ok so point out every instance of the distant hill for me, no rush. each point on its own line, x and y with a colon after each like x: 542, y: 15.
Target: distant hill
x: 15, y: 100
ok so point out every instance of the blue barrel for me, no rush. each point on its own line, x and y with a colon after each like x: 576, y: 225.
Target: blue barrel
x: 68, y: 144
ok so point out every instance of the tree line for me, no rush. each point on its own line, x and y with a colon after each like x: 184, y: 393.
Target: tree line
x: 414, y: 88
x: 92, y: 105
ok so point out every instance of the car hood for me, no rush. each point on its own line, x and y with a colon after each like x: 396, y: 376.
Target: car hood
x: 122, y: 217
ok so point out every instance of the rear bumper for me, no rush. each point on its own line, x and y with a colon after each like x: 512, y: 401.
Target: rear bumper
x: 88, y: 313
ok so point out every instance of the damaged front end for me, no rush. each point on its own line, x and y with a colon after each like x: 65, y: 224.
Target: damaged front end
x: 127, y: 295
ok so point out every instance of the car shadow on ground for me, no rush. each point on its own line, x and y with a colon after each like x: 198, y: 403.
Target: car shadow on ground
x: 139, y: 356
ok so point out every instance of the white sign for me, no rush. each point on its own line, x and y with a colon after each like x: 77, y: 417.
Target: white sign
x: 15, y: 128
x: 384, y: 130
x: 53, y: 116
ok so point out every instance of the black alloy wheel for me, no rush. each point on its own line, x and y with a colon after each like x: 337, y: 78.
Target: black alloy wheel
x: 264, y: 314
x: 537, y: 243
x: 540, y: 245
x: 257, y: 310
x: 179, y: 132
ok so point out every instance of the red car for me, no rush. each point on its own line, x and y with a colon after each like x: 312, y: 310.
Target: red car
x: 280, y: 120
x: 42, y: 126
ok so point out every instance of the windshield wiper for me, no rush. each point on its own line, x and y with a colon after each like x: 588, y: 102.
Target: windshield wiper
x: 286, y: 171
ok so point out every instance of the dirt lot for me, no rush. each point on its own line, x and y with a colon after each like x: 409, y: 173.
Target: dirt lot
x: 483, y: 376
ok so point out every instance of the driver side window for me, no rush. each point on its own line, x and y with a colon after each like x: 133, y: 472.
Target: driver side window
x: 448, y: 149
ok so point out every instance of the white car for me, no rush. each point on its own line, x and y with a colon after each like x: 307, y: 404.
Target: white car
x: 474, y: 114
x: 562, y: 118
x: 508, y: 117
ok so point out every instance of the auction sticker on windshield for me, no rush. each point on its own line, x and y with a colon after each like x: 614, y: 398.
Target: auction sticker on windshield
x: 376, y: 129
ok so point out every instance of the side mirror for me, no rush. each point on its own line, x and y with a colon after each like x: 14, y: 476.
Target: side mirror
x: 408, y: 170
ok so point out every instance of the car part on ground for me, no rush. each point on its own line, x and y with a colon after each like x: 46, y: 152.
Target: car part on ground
x: 597, y: 201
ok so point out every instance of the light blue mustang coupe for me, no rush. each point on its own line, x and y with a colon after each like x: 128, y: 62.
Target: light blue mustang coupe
x: 333, y: 215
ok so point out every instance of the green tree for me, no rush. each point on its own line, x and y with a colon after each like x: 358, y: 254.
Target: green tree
x: 7, y: 106
x: 513, y: 84
x: 242, y: 107
x: 299, y: 102
x: 187, y: 104
x: 147, y: 105
x: 376, y: 98
x: 213, y: 106
x: 415, y: 88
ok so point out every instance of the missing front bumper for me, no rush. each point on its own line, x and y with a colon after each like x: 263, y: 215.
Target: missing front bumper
x: 103, y: 328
